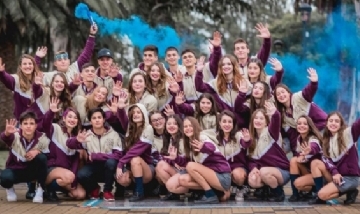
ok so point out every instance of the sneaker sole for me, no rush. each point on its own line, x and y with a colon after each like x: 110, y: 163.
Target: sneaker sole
x: 12, y: 200
x: 38, y: 201
x: 109, y: 199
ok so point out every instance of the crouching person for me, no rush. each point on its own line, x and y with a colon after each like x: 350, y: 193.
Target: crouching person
x: 27, y: 161
x: 104, y: 148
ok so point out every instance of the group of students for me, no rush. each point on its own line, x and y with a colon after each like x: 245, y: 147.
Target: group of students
x: 206, y: 128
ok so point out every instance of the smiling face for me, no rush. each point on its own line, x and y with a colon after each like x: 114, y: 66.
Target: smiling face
x: 155, y: 74
x: 302, y: 126
x: 259, y: 120
x: 172, y: 57
x: 137, y: 115
x: 71, y: 119
x: 28, y: 127
x: 105, y: 62
x: 282, y: 95
x: 97, y: 120
x: 226, y: 123
x: 88, y: 74
x: 27, y: 66
x: 188, y: 128
x: 253, y: 70
x: 149, y: 58
x: 62, y: 64
x: 138, y: 84
x: 100, y: 94
x: 58, y: 83
x: 205, y: 105
x: 241, y: 50
x: 157, y: 121
x: 334, y: 123
x: 171, y: 126
x: 258, y: 90
x: 188, y: 59
x: 226, y: 66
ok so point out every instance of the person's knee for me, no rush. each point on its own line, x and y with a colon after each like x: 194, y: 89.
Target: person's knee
x: 135, y: 161
x: 83, y: 174
x: 7, y: 178
x: 111, y: 164
x: 41, y: 158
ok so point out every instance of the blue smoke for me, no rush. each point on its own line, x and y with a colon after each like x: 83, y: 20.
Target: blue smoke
x: 139, y: 32
x: 337, y: 45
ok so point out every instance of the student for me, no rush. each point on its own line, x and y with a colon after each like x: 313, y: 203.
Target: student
x: 166, y: 169
x: 242, y: 50
x: 172, y: 58
x: 104, y: 148
x: 26, y: 161
x: 62, y: 61
x: 268, y: 163
x: 292, y: 105
x: 139, y: 92
x: 257, y: 73
x: 340, y: 161
x: 308, y: 149
x: 88, y: 85
x: 62, y: 161
x: 234, y: 145
x: 205, y: 110
x: 21, y: 83
x: 208, y: 170
x: 137, y: 161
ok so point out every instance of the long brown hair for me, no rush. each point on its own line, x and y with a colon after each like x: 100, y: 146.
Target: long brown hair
x: 327, y: 135
x: 65, y: 95
x: 25, y: 83
x: 161, y: 86
x: 221, y: 82
x: 220, y: 135
x: 266, y: 96
x: 78, y: 126
x: 262, y: 75
x: 178, y: 136
x: 281, y: 107
x: 313, y: 131
x: 134, y: 131
x: 132, y: 99
x: 253, y: 134
x: 214, y: 107
x: 90, y: 102
x: 196, y: 135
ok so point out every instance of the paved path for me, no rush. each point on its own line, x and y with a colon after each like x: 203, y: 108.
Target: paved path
x: 24, y: 206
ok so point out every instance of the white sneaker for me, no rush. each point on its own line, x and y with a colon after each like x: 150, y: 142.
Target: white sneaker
x: 11, y: 195
x: 38, y: 198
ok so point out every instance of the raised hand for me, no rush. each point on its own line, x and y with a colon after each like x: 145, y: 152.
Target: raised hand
x: 313, y: 76
x: 197, y: 145
x: 10, y: 127
x: 54, y: 104
x: 117, y: 88
x: 200, y: 63
x: 93, y: 29
x: 114, y: 103
x: 169, y: 110
x: 211, y: 49
x: 114, y: 70
x: 180, y: 98
x: 305, y: 148
x: 276, y: 64
x: 178, y: 76
x: 263, y: 31
x: 173, y: 86
x: 216, y: 41
x: 245, y: 135
x: 172, y: 153
x: 270, y: 108
x: 41, y: 52
x: 122, y: 100
x: 77, y: 80
x: 82, y: 135
x: 2, y: 66
x: 243, y: 86
x: 38, y: 80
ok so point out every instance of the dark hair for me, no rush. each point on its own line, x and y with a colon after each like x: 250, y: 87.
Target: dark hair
x: 188, y: 50
x: 313, y: 131
x: 266, y: 96
x: 91, y: 112
x: 65, y: 95
x: 86, y: 65
x: 132, y: 99
x: 160, y: 88
x: 281, y: 107
x: 340, y: 138
x: 196, y: 135
x: 220, y: 135
x: 134, y: 131
x: 240, y: 40
x: 262, y: 74
x: 166, y: 136
x: 253, y: 134
x: 152, y: 48
x: 78, y: 127
x: 27, y: 115
x: 171, y: 48
x: 213, y: 111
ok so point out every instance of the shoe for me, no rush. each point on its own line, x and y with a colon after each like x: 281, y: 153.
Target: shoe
x: 170, y: 197
x: 52, y: 196
x: 136, y: 197
x: 316, y: 200
x: 11, y: 195
x: 95, y: 194
x: 351, y: 197
x: 294, y: 198
x: 108, y: 196
x: 38, y: 198
x: 205, y: 200
x: 277, y: 197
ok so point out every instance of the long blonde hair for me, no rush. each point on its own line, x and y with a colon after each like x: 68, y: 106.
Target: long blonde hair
x: 90, y: 102
x: 25, y: 83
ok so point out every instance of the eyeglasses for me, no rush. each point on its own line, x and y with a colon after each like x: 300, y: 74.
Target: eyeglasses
x: 157, y: 120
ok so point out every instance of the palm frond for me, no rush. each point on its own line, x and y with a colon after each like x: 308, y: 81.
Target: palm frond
x: 14, y: 9
x: 34, y: 14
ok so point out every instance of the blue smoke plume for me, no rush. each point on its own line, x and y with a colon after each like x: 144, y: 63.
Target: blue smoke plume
x: 139, y: 32
x: 338, y: 46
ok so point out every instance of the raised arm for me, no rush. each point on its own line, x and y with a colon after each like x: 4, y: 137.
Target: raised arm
x: 275, y: 120
x: 216, y: 53
x: 310, y: 90
x: 279, y: 72
x: 86, y: 54
x: 264, y: 52
x: 7, y: 79
x: 355, y: 130
x: 8, y: 136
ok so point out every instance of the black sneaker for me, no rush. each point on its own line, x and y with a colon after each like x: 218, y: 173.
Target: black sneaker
x: 30, y: 194
x: 136, y: 197
x: 170, y: 197
x: 205, y: 200
x: 351, y: 197
x: 316, y: 200
x: 52, y: 196
x: 294, y: 198
x: 277, y: 197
